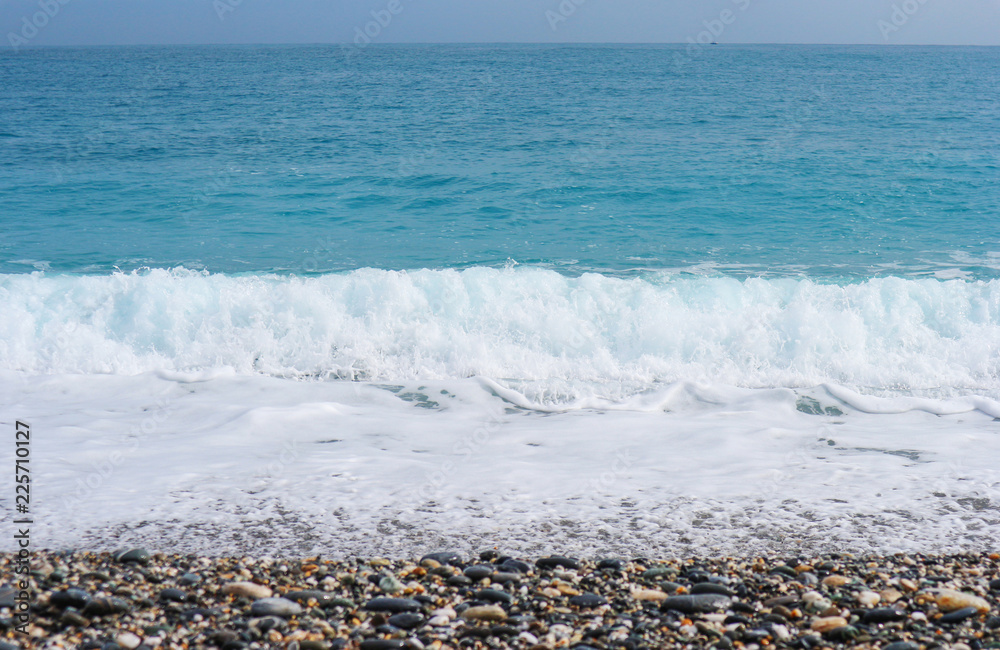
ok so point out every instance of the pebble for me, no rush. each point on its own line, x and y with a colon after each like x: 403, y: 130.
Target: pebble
x: 406, y: 621
x: 390, y: 585
x: 478, y: 572
x: 137, y: 555
x: 394, y: 605
x: 485, y: 613
x: 106, y: 607
x: 247, y: 590
x: 868, y: 598
x: 835, y: 581
x: 958, y: 615
x: 275, y: 607
x: 515, y: 566
x: 76, y: 598
x: 172, y: 595
x: 494, y: 596
x: 382, y: 644
x: 949, y: 600
x: 588, y: 600
x: 557, y: 561
x: 828, y: 623
x: 695, y: 604
x: 883, y: 615
x: 453, y: 559
x: 654, y: 595
x: 711, y: 588
x: 764, y: 611
x: 128, y: 640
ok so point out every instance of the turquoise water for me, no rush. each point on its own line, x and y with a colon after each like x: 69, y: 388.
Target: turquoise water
x: 833, y: 163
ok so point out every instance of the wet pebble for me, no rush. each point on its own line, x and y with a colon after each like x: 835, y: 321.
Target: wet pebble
x: 695, y: 604
x: 275, y: 607
x: 394, y: 605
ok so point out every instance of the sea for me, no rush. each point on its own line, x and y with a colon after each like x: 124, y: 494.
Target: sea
x: 591, y: 300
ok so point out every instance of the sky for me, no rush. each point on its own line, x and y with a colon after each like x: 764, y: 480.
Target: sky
x: 26, y: 23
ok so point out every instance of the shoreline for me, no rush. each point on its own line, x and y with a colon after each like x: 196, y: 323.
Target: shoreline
x: 138, y: 600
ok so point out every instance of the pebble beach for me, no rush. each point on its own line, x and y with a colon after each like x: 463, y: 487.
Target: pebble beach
x: 135, y: 599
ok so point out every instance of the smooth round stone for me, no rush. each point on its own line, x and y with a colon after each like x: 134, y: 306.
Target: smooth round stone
x: 478, y: 572
x: 995, y: 585
x: 958, y: 615
x: 808, y: 578
x: 173, y: 595
x: 390, y: 585
x: 949, y: 600
x: 695, y: 604
x: 588, y: 600
x: 189, y: 579
x: 785, y: 571
x: 406, y: 621
x: 393, y: 605
x: 77, y: 598
x: 484, y: 613
x: 515, y: 566
x: 883, y: 615
x: 711, y: 588
x: 106, y: 607
x: 612, y: 564
x: 494, y: 596
x: 785, y: 601
x: 247, y: 590
x: 489, y: 556
x: 557, y: 561
x: 137, y: 555
x: 993, y: 623
x: 670, y: 587
x: 453, y: 559
x: 323, y: 598
x: 128, y: 640
x: 658, y: 572
x: 275, y: 607
x: 459, y: 581
x: 503, y: 577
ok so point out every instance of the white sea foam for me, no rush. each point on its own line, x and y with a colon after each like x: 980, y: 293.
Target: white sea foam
x: 553, y: 338
x: 514, y: 407
x: 228, y: 463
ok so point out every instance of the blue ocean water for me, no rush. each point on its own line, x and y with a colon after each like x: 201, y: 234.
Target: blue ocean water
x: 833, y: 163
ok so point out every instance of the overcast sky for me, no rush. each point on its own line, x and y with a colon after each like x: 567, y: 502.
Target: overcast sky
x: 94, y: 22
